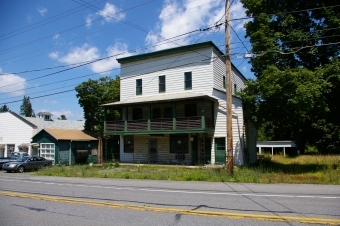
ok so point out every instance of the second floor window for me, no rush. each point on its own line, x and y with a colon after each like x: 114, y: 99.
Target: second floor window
x: 139, y: 87
x: 187, y: 80
x: 161, y: 83
x: 224, y: 82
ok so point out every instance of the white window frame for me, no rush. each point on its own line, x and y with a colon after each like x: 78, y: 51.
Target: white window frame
x: 47, y: 150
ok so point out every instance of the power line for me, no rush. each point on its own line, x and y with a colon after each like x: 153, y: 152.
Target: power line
x: 181, y: 65
x: 41, y: 23
x: 128, y: 51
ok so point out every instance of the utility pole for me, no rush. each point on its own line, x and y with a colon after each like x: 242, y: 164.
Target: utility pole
x: 229, y: 145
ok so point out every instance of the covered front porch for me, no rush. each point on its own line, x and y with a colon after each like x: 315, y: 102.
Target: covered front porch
x: 163, y: 129
x: 163, y: 114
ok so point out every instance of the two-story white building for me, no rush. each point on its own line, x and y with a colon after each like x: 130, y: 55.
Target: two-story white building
x: 173, y: 109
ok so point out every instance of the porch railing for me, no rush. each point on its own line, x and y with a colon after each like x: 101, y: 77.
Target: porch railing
x: 115, y: 125
x: 136, y: 125
x: 194, y: 122
x: 188, y: 122
x: 161, y: 124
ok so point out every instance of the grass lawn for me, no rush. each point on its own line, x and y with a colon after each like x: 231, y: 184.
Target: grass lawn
x: 303, y: 169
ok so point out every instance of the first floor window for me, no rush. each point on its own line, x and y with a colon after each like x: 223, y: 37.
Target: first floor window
x: 47, y: 150
x: 128, y: 144
x: 179, y: 143
x: 224, y: 82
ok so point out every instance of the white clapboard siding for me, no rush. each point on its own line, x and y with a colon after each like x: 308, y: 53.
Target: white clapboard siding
x: 173, y: 67
x: 14, y: 131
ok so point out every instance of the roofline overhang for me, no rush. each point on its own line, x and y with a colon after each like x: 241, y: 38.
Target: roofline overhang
x: 175, y: 50
x: 114, y: 104
x: 166, y: 52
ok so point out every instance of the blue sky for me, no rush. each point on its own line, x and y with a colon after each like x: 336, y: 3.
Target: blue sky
x: 41, y: 43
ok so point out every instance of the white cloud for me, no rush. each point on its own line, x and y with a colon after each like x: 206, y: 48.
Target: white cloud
x: 177, y: 19
x: 12, y: 84
x: 110, y: 63
x: 80, y: 54
x: 42, y: 10
x: 88, y: 20
x: 53, y: 55
x: 57, y: 114
x: 237, y: 11
x: 56, y: 36
x: 111, y: 12
x: 91, y: 53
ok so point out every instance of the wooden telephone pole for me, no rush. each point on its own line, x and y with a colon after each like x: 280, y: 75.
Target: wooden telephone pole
x: 229, y: 146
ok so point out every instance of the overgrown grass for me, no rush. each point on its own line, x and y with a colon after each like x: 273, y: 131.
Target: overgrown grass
x: 304, y: 169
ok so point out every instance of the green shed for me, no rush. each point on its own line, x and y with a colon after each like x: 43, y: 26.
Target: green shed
x: 68, y: 147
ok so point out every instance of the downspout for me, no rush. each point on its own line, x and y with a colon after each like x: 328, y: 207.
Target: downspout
x: 70, y: 154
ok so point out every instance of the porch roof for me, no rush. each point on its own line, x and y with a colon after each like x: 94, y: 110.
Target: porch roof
x: 163, y: 97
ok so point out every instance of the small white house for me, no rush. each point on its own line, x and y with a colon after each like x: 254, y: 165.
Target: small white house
x: 16, y: 131
x: 173, y: 108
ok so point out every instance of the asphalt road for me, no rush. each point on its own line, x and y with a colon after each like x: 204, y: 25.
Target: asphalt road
x: 89, y: 201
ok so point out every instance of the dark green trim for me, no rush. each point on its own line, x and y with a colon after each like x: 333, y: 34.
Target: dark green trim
x: 159, y: 84
x: 174, y: 116
x: 180, y: 49
x: 149, y: 117
x: 139, y: 88
x: 224, y: 84
x: 185, y: 80
x: 126, y: 115
x: 202, y: 114
x: 147, y: 132
x: 167, y: 52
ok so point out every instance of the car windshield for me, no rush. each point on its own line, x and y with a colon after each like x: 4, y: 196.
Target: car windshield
x: 23, y: 159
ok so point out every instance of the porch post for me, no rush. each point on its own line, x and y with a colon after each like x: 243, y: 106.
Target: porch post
x: 202, y: 114
x: 149, y: 117
x: 284, y: 151
x: 105, y: 112
x: 174, y: 116
x: 126, y: 115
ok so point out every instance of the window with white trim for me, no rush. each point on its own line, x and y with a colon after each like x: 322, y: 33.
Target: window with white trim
x: 47, y: 150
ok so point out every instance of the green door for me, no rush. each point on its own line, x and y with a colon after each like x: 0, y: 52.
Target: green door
x: 220, y: 150
x: 194, y: 150
x: 153, y: 150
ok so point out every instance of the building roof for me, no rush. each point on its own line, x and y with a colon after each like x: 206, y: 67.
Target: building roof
x: 21, y: 118
x: 74, y: 135
x: 166, y: 52
x: 175, y: 50
x: 58, y: 124
x: 163, y: 97
x: 44, y: 113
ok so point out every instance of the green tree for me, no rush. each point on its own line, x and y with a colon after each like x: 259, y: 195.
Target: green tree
x: 26, y: 108
x: 62, y: 117
x: 297, y: 69
x: 4, y: 108
x: 92, y: 94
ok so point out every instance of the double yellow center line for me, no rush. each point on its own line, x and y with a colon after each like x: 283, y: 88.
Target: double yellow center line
x: 307, y: 220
